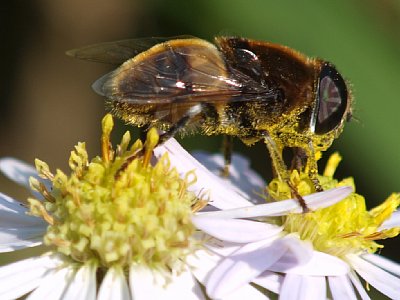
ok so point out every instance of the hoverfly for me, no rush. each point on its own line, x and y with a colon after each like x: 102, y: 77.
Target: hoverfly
x: 242, y: 88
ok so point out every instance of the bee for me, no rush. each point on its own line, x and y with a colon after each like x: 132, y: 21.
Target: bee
x: 237, y: 87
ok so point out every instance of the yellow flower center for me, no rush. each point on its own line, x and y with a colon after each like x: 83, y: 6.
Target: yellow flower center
x: 117, y: 209
x: 346, y: 227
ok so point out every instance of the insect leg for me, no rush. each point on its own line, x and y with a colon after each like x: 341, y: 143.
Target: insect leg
x: 192, y: 112
x: 227, y: 147
x: 312, y: 167
x: 281, y: 169
x: 299, y: 160
x: 299, y: 198
x: 182, y: 122
x: 305, y: 160
x: 276, y: 156
x: 143, y: 133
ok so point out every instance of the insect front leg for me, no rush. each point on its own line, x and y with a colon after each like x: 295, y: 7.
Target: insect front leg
x: 312, y: 167
x: 305, y: 161
x: 279, y: 166
x: 281, y: 170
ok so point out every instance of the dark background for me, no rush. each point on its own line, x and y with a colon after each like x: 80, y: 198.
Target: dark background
x: 47, y: 105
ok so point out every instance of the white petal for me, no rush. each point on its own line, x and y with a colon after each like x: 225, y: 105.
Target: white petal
x: 313, y: 201
x: 245, y: 264
x: 341, y: 288
x: 358, y: 285
x: 241, y: 178
x: 10, y: 205
x: 383, y: 281
x: 148, y: 284
x: 221, y: 248
x: 12, y: 239
x: 18, y: 230
x: 201, y: 263
x: 383, y: 263
x: 320, y: 264
x: 393, y: 221
x: 53, y: 285
x: 83, y: 285
x: 21, y: 277
x: 233, y: 230
x: 17, y: 170
x: 298, y: 253
x: 114, y: 286
x: 303, y: 287
x: 270, y: 281
x: 221, y: 196
x: 20, y: 172
x: 245, y: 292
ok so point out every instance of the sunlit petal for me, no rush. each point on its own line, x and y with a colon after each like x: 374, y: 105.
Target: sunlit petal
x: 147, y: 284
x: 221, y: 196
x: 23, y: 276
x: 303, y: 287
x: 383, y: 262
x: 18, y: 230
x: 83, y: 285
x: 53, y: 285
x: 114, y: 286
x: 233, y: 230
x: 201, y: 262
x: 313, y: 201
x: 17, y: 170
x: 383, y: 281
x: 270, y: 281
x: 20, y: 172
x: 358, y: 285
x: 246, y: 264
x: 320, y: 264
x: 341, y: 288
x: 218, y: 246
x: 393, y: 221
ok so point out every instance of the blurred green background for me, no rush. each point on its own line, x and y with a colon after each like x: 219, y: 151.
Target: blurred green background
x: 47, y: 104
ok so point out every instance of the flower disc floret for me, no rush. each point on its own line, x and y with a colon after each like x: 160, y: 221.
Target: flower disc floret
x: 117, y: 209
x: 344, y: 228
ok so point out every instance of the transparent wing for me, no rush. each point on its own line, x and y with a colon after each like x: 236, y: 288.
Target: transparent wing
x: 182, y: 70
x: 118, y: 52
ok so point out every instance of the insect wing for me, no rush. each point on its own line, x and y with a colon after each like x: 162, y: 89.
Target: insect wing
x: 117, y: 52
x: 188, y: 71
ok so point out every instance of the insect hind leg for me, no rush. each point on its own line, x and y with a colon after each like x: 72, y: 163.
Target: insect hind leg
x: 227, y: 148
x: 182, y: 122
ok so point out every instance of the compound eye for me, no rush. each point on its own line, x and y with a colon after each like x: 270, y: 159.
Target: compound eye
x: 331, y: 100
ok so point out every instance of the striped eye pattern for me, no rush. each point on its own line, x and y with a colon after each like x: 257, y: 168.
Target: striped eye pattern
x: 331, y: 100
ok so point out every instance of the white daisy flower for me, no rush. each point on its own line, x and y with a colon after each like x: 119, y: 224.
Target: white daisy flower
x: 117, y: 227
x: 229, y: 201
x: 141, y: 244
x: 317, y: 255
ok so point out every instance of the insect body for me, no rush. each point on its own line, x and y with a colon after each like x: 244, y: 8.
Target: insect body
x: 238, y: 87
